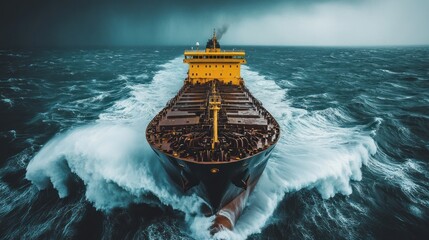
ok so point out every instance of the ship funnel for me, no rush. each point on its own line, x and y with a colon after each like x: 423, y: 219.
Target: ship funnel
x: 213, y: 44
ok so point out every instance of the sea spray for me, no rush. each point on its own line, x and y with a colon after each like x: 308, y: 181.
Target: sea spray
x: 114, y: 162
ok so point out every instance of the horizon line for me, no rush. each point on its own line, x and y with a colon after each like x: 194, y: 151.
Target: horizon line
x: 188, y: 46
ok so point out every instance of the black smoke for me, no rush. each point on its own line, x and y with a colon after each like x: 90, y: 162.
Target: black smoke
x: 221, y: 31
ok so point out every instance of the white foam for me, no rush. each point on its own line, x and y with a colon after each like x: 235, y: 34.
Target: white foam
x: 126, y: 77
x: 113, y: 159
x: 388, y: 71
x: 8, y: 101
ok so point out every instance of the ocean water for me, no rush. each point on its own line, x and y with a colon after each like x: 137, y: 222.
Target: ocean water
x: 352, y: 161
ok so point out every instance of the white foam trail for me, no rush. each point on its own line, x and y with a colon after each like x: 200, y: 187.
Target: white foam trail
x: 117, y: 166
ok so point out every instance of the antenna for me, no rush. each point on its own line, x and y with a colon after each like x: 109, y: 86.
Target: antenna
x: 214, y: 38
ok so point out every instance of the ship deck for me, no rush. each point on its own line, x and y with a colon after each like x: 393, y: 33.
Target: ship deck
x: 184, y: 128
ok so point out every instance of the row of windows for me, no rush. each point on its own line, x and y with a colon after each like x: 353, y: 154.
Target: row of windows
x: 209, y: 74
x: 214, y: 57
x: 223, y: 66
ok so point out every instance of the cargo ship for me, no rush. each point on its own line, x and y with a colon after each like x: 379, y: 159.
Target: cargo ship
x: 214, y: 138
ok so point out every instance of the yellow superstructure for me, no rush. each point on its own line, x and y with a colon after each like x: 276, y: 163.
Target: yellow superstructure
x: 214, y: 63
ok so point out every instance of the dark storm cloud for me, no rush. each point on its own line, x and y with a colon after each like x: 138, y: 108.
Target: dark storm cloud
x: 129, y: 22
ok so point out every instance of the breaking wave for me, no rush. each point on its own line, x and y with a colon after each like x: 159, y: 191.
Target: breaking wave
x: 118, y: 167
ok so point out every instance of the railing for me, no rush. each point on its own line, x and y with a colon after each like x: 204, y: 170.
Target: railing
x: 199, y: 50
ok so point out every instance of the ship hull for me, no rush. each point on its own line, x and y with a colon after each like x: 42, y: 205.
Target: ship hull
x: 224, y: 187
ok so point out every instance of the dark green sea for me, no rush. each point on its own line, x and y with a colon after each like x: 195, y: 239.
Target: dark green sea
x: 352, y: 161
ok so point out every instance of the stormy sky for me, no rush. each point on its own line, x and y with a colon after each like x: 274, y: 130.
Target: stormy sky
x: 250, y: 22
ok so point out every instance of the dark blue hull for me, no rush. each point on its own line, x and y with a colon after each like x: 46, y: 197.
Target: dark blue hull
x: 218, y: 183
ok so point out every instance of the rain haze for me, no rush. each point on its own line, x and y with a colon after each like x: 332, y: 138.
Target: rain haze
x: 168, y: 22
